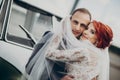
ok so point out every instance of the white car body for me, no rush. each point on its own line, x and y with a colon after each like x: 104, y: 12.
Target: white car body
x: 20, y: 59
x: 15, y: 47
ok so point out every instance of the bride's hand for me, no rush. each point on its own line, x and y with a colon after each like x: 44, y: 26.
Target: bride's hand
x: 67, y: 77
x: 94, y: 78
x: 49, y: 54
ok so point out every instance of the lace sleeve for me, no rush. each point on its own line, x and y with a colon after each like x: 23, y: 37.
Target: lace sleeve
x: 66, y: 55
x: 63, y: 55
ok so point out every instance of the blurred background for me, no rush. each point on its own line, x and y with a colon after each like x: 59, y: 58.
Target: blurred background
x: 36, y: 17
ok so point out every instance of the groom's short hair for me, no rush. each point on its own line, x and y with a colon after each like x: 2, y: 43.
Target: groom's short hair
x: 83, y: 10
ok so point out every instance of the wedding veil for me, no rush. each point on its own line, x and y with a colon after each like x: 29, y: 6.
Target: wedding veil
x: 63, y: 31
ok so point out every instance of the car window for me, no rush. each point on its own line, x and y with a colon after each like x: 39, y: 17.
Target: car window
x: 2, y: 14
x: 34, y: 22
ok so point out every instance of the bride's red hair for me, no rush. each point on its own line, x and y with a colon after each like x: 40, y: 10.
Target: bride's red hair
x: 104, y: 34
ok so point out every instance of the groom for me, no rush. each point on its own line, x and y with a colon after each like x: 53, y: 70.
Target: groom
x: 79, y: 21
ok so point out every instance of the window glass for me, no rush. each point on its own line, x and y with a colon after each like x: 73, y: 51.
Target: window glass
x: 2, y: 14
x: 43, y: 23
x: 35, y: 23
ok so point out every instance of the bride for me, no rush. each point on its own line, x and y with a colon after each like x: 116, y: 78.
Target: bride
x: 85, y: 59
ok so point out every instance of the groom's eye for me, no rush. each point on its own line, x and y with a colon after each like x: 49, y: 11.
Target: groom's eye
x: 84, y: 26
x: 75, y: 22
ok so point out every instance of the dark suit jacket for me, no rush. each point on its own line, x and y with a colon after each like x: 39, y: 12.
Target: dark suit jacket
x: 58, y: 66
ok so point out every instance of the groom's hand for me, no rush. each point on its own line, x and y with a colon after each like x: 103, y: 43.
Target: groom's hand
x: 67, y: 77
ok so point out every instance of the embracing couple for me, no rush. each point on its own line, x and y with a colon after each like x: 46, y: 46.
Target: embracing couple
x: 77, y: 49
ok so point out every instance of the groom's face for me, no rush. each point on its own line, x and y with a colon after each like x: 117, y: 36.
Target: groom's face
x: 79, y: 22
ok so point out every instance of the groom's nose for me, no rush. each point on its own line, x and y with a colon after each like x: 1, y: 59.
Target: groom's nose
x: 77, y: 27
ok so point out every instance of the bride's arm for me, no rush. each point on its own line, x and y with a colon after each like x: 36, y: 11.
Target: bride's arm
x: 63, y: 55
x: 67, y: 55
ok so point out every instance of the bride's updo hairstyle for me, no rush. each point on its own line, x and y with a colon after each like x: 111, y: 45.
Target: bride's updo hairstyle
x: 104, y: 34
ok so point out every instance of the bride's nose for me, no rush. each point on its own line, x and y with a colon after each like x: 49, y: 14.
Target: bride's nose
x: 85, y: 32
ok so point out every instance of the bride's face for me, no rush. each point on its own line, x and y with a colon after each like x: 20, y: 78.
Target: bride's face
x: 90, y: 34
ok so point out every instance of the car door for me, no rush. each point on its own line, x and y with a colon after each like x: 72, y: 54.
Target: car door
x: 13, y: 55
